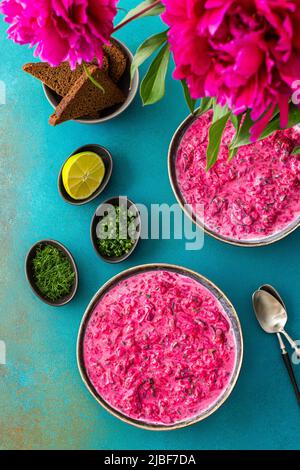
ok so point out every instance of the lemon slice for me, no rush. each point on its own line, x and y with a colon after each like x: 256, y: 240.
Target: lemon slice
x: 82, y: 174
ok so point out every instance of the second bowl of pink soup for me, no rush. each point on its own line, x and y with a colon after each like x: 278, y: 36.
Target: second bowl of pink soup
x: 251, y: 200
x: 160, y: 347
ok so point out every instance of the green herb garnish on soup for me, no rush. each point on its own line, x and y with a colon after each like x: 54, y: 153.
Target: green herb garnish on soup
x: 53, y: 273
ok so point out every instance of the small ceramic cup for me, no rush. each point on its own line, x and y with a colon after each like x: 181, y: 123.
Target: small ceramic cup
x: 128, y: 86
x: 30, y: 275
x: 108, y: 163
x: 115, y: 201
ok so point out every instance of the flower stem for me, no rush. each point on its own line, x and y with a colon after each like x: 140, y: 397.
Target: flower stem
x: 149, y: 7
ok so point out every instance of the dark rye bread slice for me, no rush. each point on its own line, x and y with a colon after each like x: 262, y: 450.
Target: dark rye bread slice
x: 61, y: 78
x: 85, y: 99
x: 117, y: 60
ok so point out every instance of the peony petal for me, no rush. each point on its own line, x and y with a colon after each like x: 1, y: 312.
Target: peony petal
x: 73, y: 30
x: 251, y: 55
x: 283, y: 104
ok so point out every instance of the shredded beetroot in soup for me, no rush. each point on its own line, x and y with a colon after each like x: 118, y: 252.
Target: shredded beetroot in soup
x: 159, y: 347
x: 255, y: 195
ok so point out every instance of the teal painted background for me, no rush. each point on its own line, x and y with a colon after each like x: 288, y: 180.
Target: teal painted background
x: 43, y: 403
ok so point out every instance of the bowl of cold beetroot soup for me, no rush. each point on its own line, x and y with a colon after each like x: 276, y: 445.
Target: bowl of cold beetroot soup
x: 160, y: 347
x: 251, y: 200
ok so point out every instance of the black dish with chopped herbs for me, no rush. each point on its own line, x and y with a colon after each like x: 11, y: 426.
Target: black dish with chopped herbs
x: 115, y: 229
x: 51, y: 272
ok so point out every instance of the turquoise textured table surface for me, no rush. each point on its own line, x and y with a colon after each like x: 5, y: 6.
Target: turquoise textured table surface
x: 43, y: 402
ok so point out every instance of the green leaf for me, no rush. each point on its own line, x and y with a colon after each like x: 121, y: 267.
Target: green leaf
x: 153, y: 85
x: 189, y: 100
x: 214, y: 140
x: 97, y: 84
x: 146, y: 49
x: 157, y: 10
x: 296, y: 150
x: 219, y: 111
x: 236, y: 120
x: 205, y: 105
x: 232, y: 153
x: 243, y: 137
x: 274, y: 125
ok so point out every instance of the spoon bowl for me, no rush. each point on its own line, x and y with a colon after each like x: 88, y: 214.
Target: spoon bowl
x: 272, y: 315
x: 274, y: 292
x: 269, y: 312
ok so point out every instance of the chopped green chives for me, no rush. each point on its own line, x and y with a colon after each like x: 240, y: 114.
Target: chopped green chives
x: 115, y: 227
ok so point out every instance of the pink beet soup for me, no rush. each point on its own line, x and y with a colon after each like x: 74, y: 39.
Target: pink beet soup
x: 254, y: 196
x: 159, y: 347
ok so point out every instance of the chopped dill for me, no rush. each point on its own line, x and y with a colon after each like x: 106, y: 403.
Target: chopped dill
x: 53, y: 273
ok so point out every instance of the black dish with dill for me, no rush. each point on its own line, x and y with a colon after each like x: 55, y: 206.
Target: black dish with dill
x: 115, y: 229
x: 51, y: 272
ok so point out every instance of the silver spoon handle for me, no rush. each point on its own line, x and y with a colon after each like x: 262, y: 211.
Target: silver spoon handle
x: 292, y: 342
x: 281, y: 343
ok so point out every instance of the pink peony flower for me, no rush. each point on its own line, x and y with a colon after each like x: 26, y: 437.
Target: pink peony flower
x: 73, y: 30
x: 244, y: 52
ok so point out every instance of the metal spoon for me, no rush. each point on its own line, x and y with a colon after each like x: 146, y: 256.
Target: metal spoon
x: 268, y: 319
x: 272, y: 315
x: 275, y: 293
